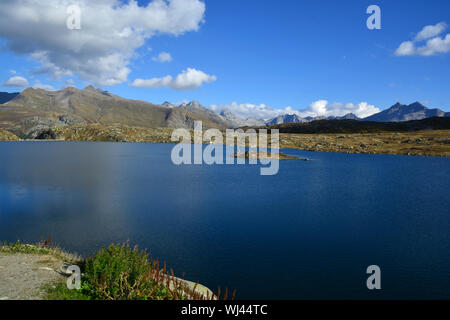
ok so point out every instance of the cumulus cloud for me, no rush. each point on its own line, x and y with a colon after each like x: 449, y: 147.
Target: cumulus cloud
x: 189, y: 79
x: 69, y: 83
x: 434, y: 43
x: 16, y: 81
x: 320, y: 108
x: 435, y: 46
x: 407, y: 48
x: 430, y: 31
x: 111, y: 32
x: 46, y: 87
x: 163, y: 57
x: 248, y: 110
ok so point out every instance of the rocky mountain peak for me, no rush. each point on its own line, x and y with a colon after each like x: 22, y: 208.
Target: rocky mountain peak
x: 399, y: 113
x: 417, y: 105
x: 167, y: 104
x: 349, y: 116
x: 194, y: 104
x: 90, y: 88
x: 28, y: 91
x: 70, y: 90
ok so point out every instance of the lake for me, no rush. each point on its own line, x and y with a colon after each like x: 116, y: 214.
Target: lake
x: 309, y: 232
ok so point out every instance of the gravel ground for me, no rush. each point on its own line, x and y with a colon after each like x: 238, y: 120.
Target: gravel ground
x: 23, y: 275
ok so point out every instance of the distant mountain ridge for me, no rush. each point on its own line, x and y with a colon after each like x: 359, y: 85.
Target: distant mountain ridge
x: 34, y: 110
x: 196, y: 108
x: 28, y: 113
x: 353, y: 126
x: 399, y: 113
x: 236, y: 121
x: 223, y: 118
x: 232, y: 118
x: 396, y: 113
x: 287, y: 118
x: 348, y: 116
x: 293, y: 118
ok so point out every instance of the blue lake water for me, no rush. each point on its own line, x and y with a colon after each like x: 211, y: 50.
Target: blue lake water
x: 309, y: 232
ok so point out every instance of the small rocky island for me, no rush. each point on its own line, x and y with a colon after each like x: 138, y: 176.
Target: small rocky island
x: 251, y: 155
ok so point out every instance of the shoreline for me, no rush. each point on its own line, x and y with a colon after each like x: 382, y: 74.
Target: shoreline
x: 281, y: 147
x: 38, y: 272
x: 434, y: 143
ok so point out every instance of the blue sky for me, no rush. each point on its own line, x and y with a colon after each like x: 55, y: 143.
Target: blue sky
x: 279, y: 53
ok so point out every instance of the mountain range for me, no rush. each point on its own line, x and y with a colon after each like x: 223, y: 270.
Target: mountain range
x: 33, y: 110
x: 396, y: 113
x: 399, y: 113
x: 293, y: 118
x: 287, y: 118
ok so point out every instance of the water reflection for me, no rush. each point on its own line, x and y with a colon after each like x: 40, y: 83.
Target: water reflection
x: 286, y: 236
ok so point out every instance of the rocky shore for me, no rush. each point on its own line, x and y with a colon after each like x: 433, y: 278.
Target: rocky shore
x: 417, y: 143
x: 96, y: 132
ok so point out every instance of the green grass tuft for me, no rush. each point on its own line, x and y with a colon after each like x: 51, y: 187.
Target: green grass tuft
x: 119, y: 272
x: 59, y: 291
x: 41, y: 248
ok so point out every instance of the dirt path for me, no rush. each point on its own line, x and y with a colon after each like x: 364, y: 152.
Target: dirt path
x: 23, y: 275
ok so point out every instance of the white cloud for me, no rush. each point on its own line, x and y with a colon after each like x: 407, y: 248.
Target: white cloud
x: 430, y: 31
x: 163, y: 57
x: 69, y: 83
x: 153, y: 83
x: 111, y: 32
x: 320, y: 108
x: 189, y: 79
x: 434, y: 45
x: 407, y: 48
x: 248, y: 110
x: 47, y: 87
x: 16, y: 81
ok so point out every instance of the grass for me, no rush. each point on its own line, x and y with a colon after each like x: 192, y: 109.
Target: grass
x: 59, y: 291
x: 121, y: 272
x: 41, y: 248
x: 118, y: 272
x: 415, y: 143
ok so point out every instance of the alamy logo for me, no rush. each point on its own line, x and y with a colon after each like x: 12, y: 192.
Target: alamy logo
x: 213, y: 153
x: 74, y: 20
x: 74, y: 280
x: 374, y: 21
x: 374, y: 281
